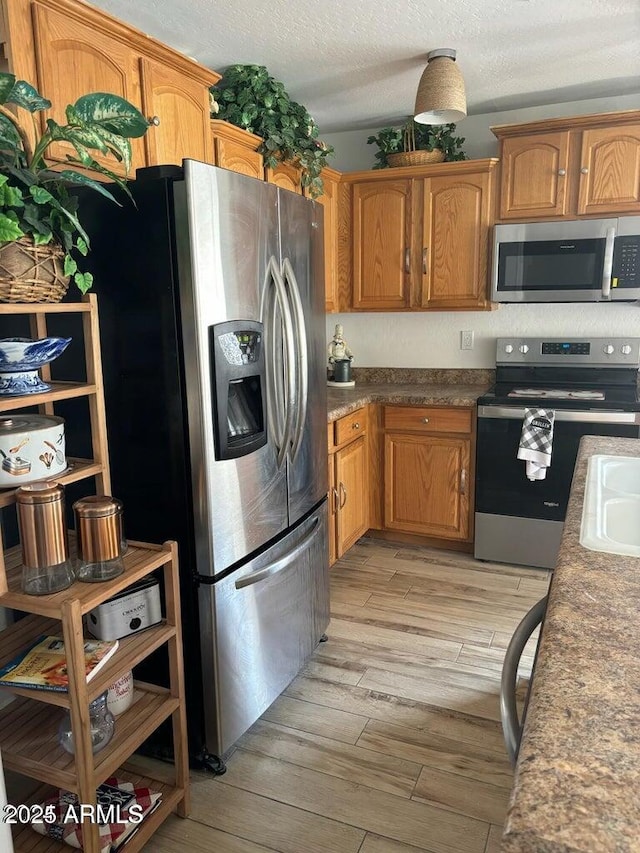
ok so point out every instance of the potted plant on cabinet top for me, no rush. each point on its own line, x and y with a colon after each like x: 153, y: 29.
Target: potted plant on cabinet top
x: 39, y: 227
x: 249, y: 97
x: 414, y: 144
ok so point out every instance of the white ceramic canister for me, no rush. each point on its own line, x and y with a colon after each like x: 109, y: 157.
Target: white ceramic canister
x: 32, y: 448
x: 120, y: 694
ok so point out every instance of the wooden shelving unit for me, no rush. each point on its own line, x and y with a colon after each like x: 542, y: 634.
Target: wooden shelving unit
x: 29, y: 724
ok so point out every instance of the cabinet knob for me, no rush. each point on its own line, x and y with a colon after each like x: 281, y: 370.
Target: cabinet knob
x: 356, y: 425
x: 425, y: 420
x: 584, y: 171
x: 562, y: 172
x: 154, y: 120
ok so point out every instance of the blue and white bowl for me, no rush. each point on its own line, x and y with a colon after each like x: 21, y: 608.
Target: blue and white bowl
x: 20, y: 360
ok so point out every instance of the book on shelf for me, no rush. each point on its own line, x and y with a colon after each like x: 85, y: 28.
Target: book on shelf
x: 43, y: 665
x: 121, y: 809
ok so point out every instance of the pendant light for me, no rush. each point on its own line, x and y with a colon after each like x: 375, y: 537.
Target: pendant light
x: 441, y: 97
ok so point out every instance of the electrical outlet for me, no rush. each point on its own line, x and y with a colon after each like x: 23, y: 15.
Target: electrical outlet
x: 466, y: 339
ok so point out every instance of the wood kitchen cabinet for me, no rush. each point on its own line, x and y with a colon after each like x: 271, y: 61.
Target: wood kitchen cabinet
x: 571, y: 167
x: 420, y: 237
x: 428, y: 476
x: 285, y: 175
x: 67, y: 48
x: 237, y: 149
x: 329, y: 202
x: 348, y: 482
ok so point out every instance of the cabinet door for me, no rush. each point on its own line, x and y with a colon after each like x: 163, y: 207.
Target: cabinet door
x: 534, y: 176
x: 610, y: 170
x: 455, y: 241
x: 381, y: 244
x: 329, y: 202
x: 333, y: 508
x: 353, y: 494
x: 426, y: 484
x: 285, y: 175
x: 74, y: 59
x: 238, y: 158
x: 181, y: 105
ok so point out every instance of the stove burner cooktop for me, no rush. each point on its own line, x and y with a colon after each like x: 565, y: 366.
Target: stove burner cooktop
x: 556, y: 393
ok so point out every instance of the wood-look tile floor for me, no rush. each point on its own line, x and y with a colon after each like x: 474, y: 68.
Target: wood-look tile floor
x: 389, y: 741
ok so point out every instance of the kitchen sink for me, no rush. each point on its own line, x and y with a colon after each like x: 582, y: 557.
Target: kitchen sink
x: 611, y: 510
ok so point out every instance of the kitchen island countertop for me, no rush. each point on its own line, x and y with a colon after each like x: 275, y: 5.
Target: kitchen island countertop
x: 579, y: 763
x: 342, y: 401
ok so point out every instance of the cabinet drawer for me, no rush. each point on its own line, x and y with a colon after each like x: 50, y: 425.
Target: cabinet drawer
x: 427, y: 419
x: 350, y: 426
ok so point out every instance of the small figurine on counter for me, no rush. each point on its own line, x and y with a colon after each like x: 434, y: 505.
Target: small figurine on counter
x: 338, y: 348
x: 340, y: 358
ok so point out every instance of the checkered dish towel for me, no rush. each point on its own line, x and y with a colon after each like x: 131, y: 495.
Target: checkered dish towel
x: 536, y: 441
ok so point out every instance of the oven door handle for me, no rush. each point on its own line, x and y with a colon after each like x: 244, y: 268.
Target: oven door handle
x: 584, y: 417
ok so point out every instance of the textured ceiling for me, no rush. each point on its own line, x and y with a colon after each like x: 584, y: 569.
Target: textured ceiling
x: 357, y: 64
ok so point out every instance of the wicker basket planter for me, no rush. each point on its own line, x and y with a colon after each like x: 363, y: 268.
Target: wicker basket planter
x: 30, y: 273
x: 415, y: 158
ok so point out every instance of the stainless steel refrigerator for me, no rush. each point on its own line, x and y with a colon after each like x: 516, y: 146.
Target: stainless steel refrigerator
x: 211, y: 300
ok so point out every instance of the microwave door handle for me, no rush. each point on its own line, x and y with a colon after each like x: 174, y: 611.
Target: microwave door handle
x: 607, y: 269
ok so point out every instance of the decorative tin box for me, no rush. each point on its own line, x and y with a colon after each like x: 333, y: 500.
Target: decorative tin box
x: 132, y: 610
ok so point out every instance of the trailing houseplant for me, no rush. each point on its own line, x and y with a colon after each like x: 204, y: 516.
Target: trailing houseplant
x: 249, y: 97
x: 412, y: 136
x: 39, y: 225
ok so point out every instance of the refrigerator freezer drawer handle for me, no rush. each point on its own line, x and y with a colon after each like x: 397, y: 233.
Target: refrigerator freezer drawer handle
x: 281, y: 564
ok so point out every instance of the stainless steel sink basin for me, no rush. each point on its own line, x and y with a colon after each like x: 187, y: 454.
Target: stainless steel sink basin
x: 611, y: 510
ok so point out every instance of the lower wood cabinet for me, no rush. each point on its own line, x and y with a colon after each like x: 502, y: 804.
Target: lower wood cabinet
x: 427, y: 471
x: 348, y: 482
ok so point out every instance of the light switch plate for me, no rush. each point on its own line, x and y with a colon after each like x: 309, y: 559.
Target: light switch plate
x: 466, y: 340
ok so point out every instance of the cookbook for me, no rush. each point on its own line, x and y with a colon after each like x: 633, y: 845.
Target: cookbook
x: 43, y: 665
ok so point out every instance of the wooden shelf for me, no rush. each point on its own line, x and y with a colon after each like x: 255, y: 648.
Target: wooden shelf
x: 139, y: 561
x: 29, y: 737
x: 131, y: 650
x: 59, y: 391
x: 27, y: 841
x: 78, y: 469
x: 29, y: 724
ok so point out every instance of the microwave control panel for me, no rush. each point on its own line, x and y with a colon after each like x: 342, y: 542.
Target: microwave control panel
x: 626, y: 268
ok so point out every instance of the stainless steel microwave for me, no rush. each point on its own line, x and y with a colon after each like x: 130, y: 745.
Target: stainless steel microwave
x: 588, y: 260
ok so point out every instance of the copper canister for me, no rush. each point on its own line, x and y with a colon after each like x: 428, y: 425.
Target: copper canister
x: 99, y: 528
x: 43, y: 531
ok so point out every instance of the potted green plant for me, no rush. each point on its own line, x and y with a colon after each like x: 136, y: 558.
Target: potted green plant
x: 404, y: 145
x: 40, y: 233
x: 249, y: 97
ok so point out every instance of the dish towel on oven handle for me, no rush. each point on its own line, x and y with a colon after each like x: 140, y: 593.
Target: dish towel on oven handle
x: 536, y: 441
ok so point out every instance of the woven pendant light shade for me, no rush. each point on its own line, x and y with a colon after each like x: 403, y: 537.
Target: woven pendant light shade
x: 441, y: 98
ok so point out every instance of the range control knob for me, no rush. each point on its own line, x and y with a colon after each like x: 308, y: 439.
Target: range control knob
x: 508, y: 348
x: 626, y: 349
x: 608, y: 349
x: 524, y: 349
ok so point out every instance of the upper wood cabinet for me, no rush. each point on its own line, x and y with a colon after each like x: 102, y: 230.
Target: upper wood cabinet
x: 236, y: 149
x: 420, y: 236
x: 67, y: 49
x: 285, y: 175
x: 381, y: 229
x: 329, y: 202
x: 73, y: 60
x: 582, y: 166
x: 180, y: 106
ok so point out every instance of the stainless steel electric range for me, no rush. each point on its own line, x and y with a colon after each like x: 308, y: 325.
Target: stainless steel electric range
x: 592, y: 386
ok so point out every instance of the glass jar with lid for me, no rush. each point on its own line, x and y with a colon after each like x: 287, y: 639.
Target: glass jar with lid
x: 100, y: 539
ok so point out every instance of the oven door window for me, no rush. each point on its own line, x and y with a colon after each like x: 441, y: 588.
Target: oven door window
x: 558, y: 265
x: 502, y: 487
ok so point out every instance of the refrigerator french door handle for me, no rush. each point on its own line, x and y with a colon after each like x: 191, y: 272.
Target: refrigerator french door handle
x: 302, y: 363
x: 274, y: 278
x: 283, y: 562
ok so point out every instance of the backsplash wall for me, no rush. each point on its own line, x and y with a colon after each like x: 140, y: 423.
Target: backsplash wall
x: 432, y: 339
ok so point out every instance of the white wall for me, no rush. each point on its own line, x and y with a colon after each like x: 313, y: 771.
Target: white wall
x: 432, y: 339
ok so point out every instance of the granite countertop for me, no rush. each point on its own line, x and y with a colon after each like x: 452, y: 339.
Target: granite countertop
x: 409, y: 387
x: 579, y: 761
